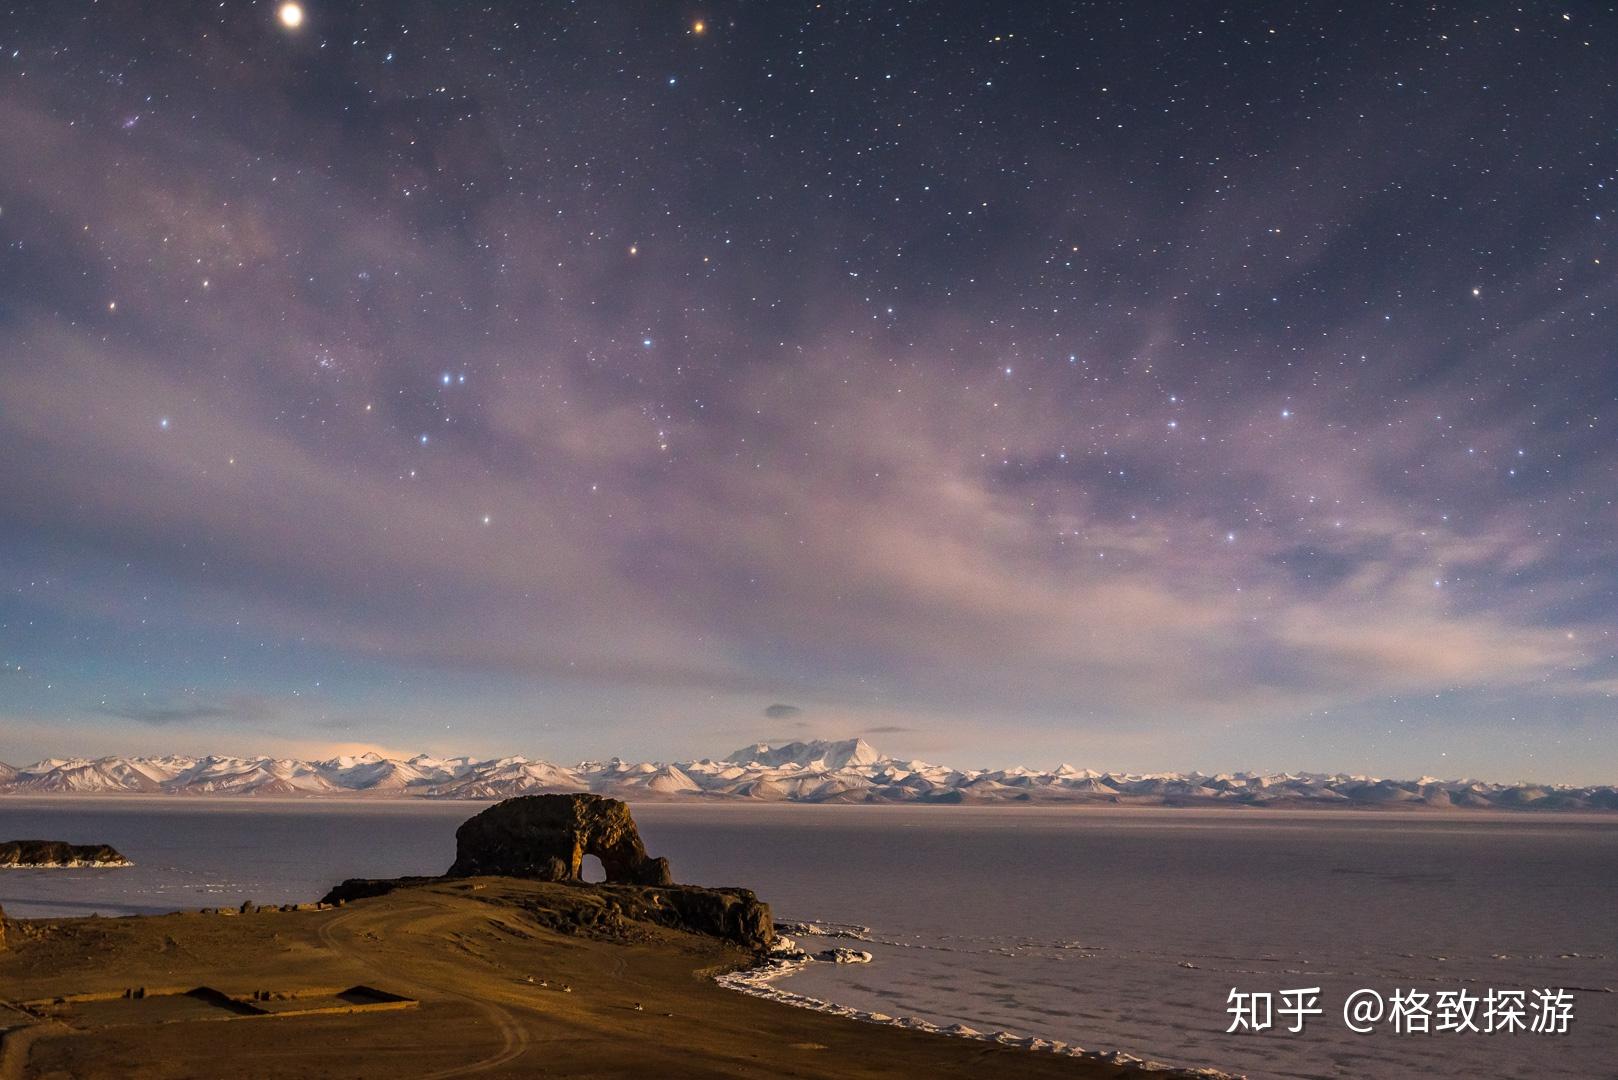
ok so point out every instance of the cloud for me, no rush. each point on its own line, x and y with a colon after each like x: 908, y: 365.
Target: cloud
x: 163, y: 714
x: 951, y: 523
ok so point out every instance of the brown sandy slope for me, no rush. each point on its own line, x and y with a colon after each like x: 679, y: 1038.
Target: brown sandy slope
x: 466, y: 950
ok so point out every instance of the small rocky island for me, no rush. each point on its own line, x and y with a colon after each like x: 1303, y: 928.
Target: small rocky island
x: 57, y: 854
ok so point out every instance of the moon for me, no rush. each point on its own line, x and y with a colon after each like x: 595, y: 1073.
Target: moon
x: 291, y: 15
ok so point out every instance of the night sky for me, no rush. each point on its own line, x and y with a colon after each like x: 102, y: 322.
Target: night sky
x: 1141, y: 385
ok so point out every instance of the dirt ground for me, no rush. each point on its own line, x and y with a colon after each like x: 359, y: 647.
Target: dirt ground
x: 487, y: 991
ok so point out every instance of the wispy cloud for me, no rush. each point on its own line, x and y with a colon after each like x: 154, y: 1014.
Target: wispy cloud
x: 1177, y: 490
x: 183, y: 711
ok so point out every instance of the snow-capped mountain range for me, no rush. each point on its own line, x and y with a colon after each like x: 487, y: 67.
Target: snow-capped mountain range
x: 847, y: 771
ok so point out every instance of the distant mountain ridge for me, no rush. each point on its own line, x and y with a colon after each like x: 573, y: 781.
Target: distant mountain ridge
x: 826, y: 755
x: 845, y: 771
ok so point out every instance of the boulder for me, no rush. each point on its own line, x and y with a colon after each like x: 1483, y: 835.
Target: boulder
x: 546, y: 837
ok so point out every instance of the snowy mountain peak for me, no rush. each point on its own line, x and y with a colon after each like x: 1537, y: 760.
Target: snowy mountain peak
x: 816, y: 754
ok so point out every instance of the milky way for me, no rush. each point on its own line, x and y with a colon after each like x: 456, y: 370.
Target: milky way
x: 1147, y: 386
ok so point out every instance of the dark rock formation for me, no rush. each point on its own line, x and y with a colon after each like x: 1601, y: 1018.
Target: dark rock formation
x: 365, y: 888
x: 56, y: 853
x: 736, y: 915
x: 545, y: 838
x: 2, y: 929
x: 733, y: 915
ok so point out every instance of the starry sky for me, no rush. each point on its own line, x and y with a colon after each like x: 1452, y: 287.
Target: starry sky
x: 1142, y: 385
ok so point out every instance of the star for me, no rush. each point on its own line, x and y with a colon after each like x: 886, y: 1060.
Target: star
x: 795, y: 208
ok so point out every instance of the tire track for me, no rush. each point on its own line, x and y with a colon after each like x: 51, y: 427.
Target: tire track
x: 514, y: 1040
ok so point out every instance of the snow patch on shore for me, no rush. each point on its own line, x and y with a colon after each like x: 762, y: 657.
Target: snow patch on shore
x: 843, y: 956
x: 825, y: 929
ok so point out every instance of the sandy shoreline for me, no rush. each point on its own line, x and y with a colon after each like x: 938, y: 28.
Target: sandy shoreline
x: 491, y: 990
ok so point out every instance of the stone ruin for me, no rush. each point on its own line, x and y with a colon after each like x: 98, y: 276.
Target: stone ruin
x: 546, y: 837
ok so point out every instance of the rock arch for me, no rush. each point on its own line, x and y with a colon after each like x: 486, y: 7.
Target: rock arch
x: 545, y: 837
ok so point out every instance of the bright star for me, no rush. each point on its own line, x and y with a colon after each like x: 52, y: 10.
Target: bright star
x: 291, y: 15
x: 163, y: 423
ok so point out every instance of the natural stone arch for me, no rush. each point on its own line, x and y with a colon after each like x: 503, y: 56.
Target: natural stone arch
x: 546, y: 837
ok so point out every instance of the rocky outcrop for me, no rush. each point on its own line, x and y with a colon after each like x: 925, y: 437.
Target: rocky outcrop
x: 607, y: 911
x: 736, y: 915
x: 733, y: 915
x: 546, y: 837
x: 364, y: 888
x: 57, y: 854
